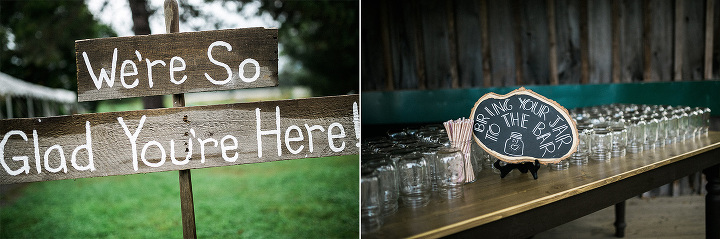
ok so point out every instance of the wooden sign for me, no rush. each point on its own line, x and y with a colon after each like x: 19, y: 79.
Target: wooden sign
x: 119, y: 143
x: 163, y: 64
x: 523, y: 126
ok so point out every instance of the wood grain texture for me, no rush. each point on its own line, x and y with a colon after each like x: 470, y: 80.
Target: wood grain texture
x: 436, y: 44
x: 188, y: 127
x: 470, y: 43
x: 599, y: 41
x: 679, y: 40
x: 552, y: 41
x: 661, y: 40
x: 257, y: 43
x: 493, y: 206
x: 372, y: 53
x: 709, y: 20
x: 693, y: 30
x: 404, y: 43
x: 502, y: 49
x: 584, y: 43
x: 485, y: 43
x: 631, y: 44
x: 568, y: 41
x: 535, y: 40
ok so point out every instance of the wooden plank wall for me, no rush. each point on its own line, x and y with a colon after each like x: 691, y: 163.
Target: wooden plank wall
x: 459, y: 44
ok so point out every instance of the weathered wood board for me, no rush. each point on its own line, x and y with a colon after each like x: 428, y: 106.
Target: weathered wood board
x: 120, y: 143
x: 163, y: 64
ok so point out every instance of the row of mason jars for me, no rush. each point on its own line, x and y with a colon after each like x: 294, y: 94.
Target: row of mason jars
x: 415, y: 164
x: 610, y: 131
x: 411, y: 167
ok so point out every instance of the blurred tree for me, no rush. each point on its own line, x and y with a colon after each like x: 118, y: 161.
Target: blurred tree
x: 37, y: 40
x: 322, y: 40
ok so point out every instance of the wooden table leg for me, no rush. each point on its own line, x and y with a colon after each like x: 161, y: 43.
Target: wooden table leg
x: 712, y: 202
x: 620, y: 219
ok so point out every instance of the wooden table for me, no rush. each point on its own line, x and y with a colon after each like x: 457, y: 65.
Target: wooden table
x: 518, y: 206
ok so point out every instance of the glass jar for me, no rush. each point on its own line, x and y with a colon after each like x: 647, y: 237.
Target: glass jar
x: 671, y: 128
x: 471, y: 167
x: 414, y: 180
x: 430, y: 151
x: 580, y: 157
x: 619, y: 138
x: 387, y: 177
x: 636, y: 135
x: 370, y: 201
x: 663, y: 123
x: 651, y: 131
x: 601, y: 144
x: 451, y: 170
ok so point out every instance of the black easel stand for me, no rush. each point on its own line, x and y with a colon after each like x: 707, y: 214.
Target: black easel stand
x: 522, y: 167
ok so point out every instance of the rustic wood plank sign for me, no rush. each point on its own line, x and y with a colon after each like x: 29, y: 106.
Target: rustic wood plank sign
x: 523, y: 126
x: 120, y: 143
x: 163, y: 64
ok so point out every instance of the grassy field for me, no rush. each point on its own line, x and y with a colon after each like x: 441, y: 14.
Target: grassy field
x: 303, y: 198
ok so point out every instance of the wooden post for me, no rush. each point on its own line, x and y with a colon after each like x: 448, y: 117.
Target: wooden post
x: 187, y: 207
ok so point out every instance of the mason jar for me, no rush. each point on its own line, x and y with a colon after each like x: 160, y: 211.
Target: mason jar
x: 414, y: 180
x: 451, y: 172
x: 370, y: 201
x: 601, y: 144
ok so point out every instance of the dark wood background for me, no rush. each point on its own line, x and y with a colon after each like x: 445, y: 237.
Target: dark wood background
x: 429, y: 44
x: 459, y: 44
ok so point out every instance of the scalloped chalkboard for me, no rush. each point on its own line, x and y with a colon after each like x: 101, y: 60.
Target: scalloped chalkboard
x: 523, y: 126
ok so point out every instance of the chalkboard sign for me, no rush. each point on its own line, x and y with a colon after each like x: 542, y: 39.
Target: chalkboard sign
x: 523, y: 126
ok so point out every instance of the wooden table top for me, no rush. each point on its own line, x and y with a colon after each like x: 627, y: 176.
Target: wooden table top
x: 491, y: 199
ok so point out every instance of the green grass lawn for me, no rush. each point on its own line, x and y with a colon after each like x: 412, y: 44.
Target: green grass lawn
x: 302, y: 198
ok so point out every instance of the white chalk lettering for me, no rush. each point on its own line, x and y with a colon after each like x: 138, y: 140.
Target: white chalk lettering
x: 63, y: 164
x: 224, y: 148
x: 289, y: 139
x: 124, y: 73
x: 310, y: 135
x: 172, y: 153
x: 332, y: 136
x: 26, y: 166
x: 149, y: 69
x: 109, y: 80
x: 216, y: 62
x: 202, y: 147
x: 162, y: 154
x: 173, y: 69
x: 133, y: 138
x: 275, y: 131
x: 88, y: 147
x: 493, y: 134
x: 37, y: 151
x: 241, y: 71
